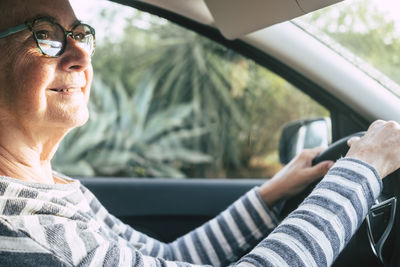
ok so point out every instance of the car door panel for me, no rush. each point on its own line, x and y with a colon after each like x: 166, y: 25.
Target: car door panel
x: 167, y: 208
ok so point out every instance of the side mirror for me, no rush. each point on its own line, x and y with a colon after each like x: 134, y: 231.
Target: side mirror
x: 302, y: 134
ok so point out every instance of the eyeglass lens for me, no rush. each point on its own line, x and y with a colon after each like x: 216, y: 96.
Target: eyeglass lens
x: 84, y: 37
x: 51, y: 38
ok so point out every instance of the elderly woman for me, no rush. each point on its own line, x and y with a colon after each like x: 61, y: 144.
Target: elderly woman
x: 50, y: 220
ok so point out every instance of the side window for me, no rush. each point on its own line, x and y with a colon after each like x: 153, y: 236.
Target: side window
x: 167, y: 102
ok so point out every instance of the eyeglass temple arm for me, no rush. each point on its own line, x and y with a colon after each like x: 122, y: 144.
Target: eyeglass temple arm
x: 12, y: 30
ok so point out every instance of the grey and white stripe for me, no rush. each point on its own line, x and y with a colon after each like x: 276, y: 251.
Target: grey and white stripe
x: 70, y: 224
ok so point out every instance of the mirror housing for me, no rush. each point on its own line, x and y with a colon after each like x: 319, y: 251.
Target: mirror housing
x: 302, y: 134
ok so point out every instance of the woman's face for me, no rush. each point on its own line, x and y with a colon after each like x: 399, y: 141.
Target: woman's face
x: 32, y: 94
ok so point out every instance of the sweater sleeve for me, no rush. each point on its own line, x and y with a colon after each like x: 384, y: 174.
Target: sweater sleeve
x: 316, y: 232
x: 218, y: 242
x: 312, y: 235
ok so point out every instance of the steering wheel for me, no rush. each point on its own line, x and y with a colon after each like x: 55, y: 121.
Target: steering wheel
x: 333, y: 152
x: 391, y: 188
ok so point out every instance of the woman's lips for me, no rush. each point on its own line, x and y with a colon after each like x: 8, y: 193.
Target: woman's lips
x: 66, y: 90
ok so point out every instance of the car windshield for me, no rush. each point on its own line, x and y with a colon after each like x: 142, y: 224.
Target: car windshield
x: 365, y: 32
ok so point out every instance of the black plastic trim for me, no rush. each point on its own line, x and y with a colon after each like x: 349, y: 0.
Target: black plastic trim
x: 167, y: 197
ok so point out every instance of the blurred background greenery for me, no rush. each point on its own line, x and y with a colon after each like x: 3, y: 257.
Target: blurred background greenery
x: 167, y: 102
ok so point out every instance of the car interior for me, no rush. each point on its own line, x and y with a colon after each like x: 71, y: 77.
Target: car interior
x: 261, y: 32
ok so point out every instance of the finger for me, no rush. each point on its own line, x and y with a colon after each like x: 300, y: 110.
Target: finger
x: 320, y: 169
x: 313, y: 152
x: 352, y: 140
x: 377, y: 123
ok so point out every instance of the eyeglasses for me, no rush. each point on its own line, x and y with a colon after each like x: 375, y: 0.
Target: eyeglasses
x: 380, y: 221
x: 51, y: 37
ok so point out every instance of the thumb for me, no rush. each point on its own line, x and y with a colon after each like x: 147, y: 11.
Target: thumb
x: 320, y: 169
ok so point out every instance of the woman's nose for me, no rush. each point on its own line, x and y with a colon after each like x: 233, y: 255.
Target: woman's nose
x: 75, y: 58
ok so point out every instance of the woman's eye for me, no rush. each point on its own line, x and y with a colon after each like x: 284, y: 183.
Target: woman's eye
x: 42, y: 35
x: 79, y: 36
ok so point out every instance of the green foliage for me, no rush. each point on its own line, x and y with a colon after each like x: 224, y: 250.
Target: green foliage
x: 366, y: 31
x: 230, y: 95
x: 171, y: 103
x: 121, y: 139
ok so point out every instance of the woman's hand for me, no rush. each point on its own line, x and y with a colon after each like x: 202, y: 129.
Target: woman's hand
x: 380, y: 147
x: 294, y: 177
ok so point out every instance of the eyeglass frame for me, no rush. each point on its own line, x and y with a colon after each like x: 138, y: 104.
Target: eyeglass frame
x: 29, y: 25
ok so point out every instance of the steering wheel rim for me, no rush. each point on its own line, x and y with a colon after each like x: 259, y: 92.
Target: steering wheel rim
x: 335, y: 151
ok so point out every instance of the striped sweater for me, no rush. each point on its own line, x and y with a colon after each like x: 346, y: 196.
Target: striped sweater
x: 65, y: 225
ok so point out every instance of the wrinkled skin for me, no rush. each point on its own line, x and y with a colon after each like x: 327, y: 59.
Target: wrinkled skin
x: 380, y: 147
x: 34, y: 118
x: 295, y: 176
